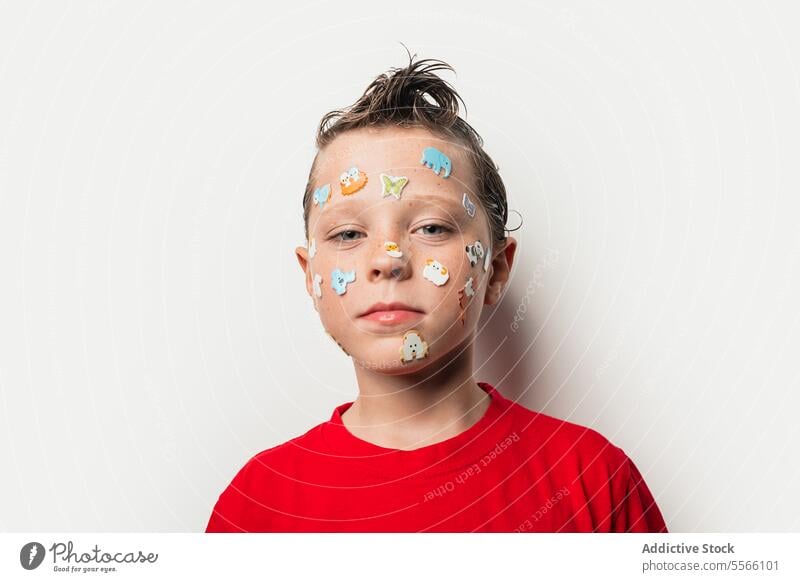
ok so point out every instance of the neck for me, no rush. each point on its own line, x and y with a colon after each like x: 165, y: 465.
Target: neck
x: 413, y: 410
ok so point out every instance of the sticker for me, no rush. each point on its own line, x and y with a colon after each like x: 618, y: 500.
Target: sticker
x: 312, y: 248
x: 318, y: 285
x: 352, y: 181
x: 392, y: 249
x: 322, y: 195
x: 464, y: 295
x: 393, y: 185
x: 474, y: 253
x: 437, y: 161
x: 337, y: 342
x: 414, y: 347
x: 488, y: 259
x: 469, y: 205
x: 435, y: 272
x: 340, y: 279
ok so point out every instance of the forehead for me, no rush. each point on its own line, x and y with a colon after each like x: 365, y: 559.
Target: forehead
x: 389, y: 141
x: 398, y: 152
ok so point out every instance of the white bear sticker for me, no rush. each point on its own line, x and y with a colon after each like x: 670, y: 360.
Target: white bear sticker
x: 318, y: 285
x: 435, y: 272
x: 414, y: 347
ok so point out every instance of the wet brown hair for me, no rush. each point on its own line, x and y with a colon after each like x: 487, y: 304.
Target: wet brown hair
x: 414, y: 96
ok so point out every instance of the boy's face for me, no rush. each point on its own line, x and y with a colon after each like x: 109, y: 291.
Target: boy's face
x: 388, y: 241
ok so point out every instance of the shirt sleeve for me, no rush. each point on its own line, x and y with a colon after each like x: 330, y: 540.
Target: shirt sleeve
x: 230, y: 509
x: 635, y: 508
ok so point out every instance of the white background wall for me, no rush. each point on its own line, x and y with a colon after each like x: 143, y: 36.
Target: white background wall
x: 154, y: 329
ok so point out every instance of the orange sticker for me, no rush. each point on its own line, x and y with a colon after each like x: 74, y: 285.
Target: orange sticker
x: 464, y: 295
x: 352, y: 181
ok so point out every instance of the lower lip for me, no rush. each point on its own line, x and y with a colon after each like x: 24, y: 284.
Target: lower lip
x: 389, y: 317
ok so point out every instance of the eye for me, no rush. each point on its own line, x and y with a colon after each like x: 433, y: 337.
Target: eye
x: 434, y: 229
x: 347, y: 235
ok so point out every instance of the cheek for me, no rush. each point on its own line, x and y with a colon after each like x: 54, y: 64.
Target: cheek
x: 455, y: 259
x: 333, y: 311
x: 337, y: 294
x: 465, y: 285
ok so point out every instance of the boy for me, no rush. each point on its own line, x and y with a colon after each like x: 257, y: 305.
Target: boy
x: 405, y: 225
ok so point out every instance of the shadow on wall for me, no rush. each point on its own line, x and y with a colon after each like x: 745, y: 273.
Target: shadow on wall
x: 510, y: 352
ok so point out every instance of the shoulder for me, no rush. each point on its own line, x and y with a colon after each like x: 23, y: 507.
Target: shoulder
x: 283, y: 458
x: 564, y: 442
x: 246, y: 503
x: 590, y: 465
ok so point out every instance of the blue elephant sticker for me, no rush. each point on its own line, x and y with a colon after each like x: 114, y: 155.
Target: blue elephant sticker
x: 340, y: 279
x: 437, y: 161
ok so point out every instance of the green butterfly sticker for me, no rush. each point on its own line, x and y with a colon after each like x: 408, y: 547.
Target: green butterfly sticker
x: 393, y: 185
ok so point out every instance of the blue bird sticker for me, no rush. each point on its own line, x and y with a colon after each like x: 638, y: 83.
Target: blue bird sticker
x: 437, y: 161
x: 340, y: 279
x: 322, y: 195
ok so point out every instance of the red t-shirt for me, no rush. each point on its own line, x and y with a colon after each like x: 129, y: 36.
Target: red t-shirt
x: 513, y: 470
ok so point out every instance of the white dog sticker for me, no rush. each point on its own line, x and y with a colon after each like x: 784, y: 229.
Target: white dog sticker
x: 414, y: 347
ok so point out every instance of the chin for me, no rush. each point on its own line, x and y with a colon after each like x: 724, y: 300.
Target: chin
x: 391, y: 365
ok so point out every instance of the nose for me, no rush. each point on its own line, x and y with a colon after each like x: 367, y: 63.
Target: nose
x: 384, y: 266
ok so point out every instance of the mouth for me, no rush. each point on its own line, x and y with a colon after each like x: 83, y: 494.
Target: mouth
x: 391, y: 313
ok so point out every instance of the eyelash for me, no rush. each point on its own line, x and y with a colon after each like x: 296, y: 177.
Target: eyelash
x: 338, y: 235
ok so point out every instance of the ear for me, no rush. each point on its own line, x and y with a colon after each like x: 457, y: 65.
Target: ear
x: 302, y: 257
x: 499, y: 271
